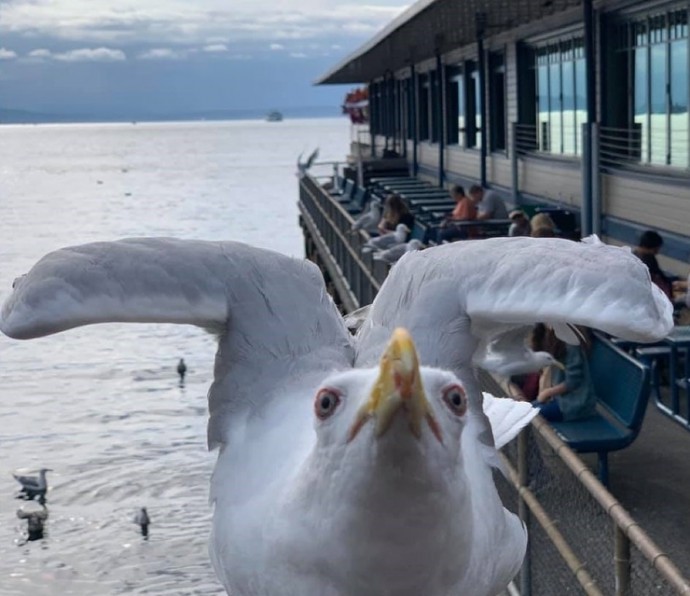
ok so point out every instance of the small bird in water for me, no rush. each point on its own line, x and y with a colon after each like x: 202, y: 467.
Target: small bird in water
x: 35, y: 521
x: 143, y: 520
x: 34, y: 486
x: 181, y: 370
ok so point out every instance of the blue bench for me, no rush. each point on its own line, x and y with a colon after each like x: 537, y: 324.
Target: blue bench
x: 622, y: 385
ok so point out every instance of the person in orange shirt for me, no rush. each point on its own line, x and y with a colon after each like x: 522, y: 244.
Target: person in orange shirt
x: 465, y: 210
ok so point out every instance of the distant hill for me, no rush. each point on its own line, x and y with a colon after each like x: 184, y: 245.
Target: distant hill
x: 16, y: 116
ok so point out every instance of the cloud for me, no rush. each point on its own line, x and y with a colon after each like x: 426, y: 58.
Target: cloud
x: 215, y: 48
x: 276, y: 46
x: 297, y: 55
x: 91, y: 55
x: 6, y: 54
x: 162, y: 54
x: 163, y: 22
x: 79, y: 55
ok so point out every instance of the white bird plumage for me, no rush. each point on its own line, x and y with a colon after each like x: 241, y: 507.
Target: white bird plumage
x: 369, y: 220
x: 303, y: 166
x: 508, y: 355
x: 394, y: 253
x: 319, y: 487
x: 385, y: 241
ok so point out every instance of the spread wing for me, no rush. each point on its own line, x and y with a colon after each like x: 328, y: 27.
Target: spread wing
x: 273, y: 317
x: 457, y: 297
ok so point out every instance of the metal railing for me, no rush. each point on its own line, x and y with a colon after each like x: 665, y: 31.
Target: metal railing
x: 582, y: 540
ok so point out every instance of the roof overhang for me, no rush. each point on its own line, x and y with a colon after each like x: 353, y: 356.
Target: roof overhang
x: 431, y: 27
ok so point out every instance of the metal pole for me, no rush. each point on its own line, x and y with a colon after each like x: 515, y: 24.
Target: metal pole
x: 523, y: 511
x: 622, y: 562
x: 415, y: 132
x: 586, y: 207
x: 590, y: 84
x: 596, y: 178
x: 482, y: 95
x: 440, y: 120
x: 514, y: 163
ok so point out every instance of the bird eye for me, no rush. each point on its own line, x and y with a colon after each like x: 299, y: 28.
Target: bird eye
x: 455, y: 399
x: 327, y: 400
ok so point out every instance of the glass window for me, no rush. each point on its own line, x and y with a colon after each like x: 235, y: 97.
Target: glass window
x: 658, y: 50
x: 561, y: 96
x: 497, y: 101
x: 473, y: 99
x: 455, y: 106
x: 680, y: 121
x: 423, y: 107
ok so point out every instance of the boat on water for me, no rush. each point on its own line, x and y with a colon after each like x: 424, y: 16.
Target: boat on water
x: 274, y: 116
x: 562, y: 158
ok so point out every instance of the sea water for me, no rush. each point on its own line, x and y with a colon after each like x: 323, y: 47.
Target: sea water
x: 102, y: 405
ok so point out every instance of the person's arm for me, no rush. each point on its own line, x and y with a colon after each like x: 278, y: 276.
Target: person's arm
x: 550, y: 392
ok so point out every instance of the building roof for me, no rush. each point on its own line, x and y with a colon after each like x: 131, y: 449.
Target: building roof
x: 431, y: 27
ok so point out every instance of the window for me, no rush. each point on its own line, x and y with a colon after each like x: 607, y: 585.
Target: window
x: 455, y: 106
x: 497, y: 101
x: 434, y: 107
x: 411, y: 122
x: 473, y: 105
x: 423, y: 105
x: 561, y: 96
x: 659, y: 71
x: 402, y: 116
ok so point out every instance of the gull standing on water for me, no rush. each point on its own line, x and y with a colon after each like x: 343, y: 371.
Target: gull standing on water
x: 351, y: 464
x: 181, y: 370
x: 34, y: 486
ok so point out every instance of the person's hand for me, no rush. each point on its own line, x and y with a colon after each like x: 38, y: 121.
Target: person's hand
x: 680, y: 285
x: 544, y: 396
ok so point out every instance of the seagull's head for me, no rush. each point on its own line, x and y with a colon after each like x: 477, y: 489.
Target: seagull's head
x: 543, y: 359
x: 397, y: 416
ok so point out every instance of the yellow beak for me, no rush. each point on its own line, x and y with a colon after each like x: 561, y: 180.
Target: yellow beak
x: 398, y: 387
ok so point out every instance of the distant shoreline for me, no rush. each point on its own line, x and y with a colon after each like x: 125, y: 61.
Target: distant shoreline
x: 34, y: 118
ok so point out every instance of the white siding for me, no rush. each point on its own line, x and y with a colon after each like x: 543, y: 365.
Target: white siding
x: 654, y: 205
x: 547, y: 178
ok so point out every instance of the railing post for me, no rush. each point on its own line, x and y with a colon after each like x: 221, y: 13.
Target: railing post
x: 514, y: 163
x: 622, y: 562
x: 595, y: 159
x: 523, y: 511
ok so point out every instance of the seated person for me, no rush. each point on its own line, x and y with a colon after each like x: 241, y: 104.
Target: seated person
x: 564, y: 394
x: 489, y: 204
x: 465, y: 210
x: 395, y: 212
x: 648, y: 247
x: 520, y: 225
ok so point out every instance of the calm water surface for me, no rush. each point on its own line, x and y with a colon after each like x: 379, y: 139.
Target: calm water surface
x: 101, y: 405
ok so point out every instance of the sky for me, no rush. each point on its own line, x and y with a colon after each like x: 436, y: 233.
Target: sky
x: 174, y: 56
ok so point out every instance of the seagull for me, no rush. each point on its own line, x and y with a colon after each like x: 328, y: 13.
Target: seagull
x: 303, y: 167
x: 181, y: 370
x: 387, y: 240
x: 351, y: 464
x: 34, y: 486
x: 395, y: 252
x: 369, y: 220
x: 508, y: 355
x: 143, y: 521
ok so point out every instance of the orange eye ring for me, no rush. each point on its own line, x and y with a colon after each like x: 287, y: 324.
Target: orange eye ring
x: 455, y: 399
x: 326, y: 402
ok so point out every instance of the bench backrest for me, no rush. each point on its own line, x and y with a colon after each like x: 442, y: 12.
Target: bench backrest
x: 621, y: 382
x: 348, y: 188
